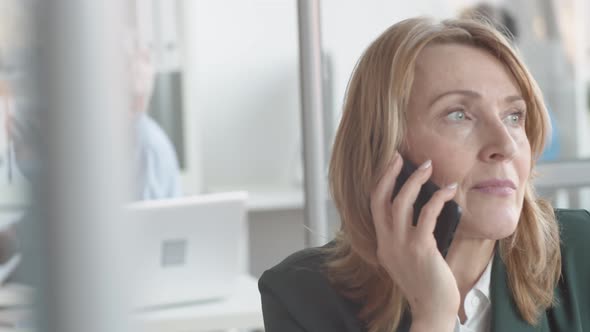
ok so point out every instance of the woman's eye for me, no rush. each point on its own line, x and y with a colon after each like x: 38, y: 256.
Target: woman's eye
x: 515, y: 118
x: 458, y: 115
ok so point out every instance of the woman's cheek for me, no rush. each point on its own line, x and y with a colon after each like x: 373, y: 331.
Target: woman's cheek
x: 453, y: 132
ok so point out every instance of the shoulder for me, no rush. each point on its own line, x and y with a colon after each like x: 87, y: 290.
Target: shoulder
x: 575, y: 244
x: 154, y: 148
x: 156, y: 159
x: 298, y: 274
x: 152, y: 140
x: 574, y: 289
x: 575, y: 228
x: 300, y: 287
x: 310, y: 259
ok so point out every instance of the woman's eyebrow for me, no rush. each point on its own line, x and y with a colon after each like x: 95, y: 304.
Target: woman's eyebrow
x: 472, y: 94
x: 467, y: 93
x: 511, y: 99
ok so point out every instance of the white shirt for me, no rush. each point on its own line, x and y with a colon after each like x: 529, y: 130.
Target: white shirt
x: 158, y: 173
x: 478, y: 305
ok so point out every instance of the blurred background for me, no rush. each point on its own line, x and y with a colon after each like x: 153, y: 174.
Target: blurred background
x: 210, y: 102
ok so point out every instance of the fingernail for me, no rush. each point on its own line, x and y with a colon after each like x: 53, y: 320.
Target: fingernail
x: 452, y: 186
x: 426, y: 165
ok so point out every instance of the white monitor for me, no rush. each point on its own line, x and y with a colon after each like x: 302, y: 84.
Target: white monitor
x: 187, y: 250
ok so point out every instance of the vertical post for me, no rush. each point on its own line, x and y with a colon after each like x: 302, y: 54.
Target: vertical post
x: 328, y: 98
x: 85, y: 178
x: 581, y: 77
x: 310, y: 60
x: 192, y: 117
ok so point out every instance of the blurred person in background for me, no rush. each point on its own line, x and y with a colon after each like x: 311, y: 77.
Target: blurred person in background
x: 155, y: 167
x: 156, y: 164
x: 506, y: 23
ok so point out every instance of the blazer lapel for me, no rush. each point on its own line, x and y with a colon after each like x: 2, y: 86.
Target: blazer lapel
x: 505, y: 316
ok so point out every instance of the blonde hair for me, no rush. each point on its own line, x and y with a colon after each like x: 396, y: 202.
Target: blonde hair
x: 373, y: 127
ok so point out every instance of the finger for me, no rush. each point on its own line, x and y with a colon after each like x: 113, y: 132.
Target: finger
x: 431, y: 210
x: 403, y: 204
x: 380, y: 197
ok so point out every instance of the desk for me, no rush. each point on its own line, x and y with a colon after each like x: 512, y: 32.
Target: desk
x: 241, y: 310
x: 15, y: 307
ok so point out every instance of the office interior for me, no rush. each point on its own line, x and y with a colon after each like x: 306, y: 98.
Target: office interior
x: 227, y: 102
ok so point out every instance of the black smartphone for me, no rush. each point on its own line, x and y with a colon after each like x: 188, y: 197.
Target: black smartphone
x: 449, y: 217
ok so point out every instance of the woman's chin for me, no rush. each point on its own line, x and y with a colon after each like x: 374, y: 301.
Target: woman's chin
x: 493, y: 225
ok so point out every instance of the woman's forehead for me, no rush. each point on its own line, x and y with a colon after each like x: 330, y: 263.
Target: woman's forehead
x: 442, y: 67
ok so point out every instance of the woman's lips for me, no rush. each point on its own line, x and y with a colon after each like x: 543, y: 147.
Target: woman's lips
x: 498, y: 191
x: 497, y: 187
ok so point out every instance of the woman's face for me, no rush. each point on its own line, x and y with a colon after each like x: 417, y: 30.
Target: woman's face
x: 467, y: 115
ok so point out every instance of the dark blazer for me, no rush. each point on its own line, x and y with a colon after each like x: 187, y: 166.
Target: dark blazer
x: 297, y: 297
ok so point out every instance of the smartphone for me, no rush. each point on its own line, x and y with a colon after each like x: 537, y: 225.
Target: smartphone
x: 449, y: 217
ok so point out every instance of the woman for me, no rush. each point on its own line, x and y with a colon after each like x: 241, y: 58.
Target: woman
x: 455, y: 98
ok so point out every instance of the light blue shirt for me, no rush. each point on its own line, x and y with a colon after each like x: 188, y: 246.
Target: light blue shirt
x: 158, y: 173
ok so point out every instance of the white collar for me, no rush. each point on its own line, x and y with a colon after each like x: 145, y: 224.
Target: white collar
x: 483, y: 284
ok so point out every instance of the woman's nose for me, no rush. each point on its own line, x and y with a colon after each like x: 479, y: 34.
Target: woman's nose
x: 498, y: 143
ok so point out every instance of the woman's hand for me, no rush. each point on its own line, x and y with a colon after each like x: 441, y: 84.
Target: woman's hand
x: 409, y: 253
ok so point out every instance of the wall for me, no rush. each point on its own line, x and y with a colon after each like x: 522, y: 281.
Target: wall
x: 247, y: 91
x: 246, y: 80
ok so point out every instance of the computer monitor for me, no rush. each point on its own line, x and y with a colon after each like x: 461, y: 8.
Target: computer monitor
x: 187, y: 250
